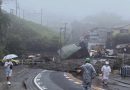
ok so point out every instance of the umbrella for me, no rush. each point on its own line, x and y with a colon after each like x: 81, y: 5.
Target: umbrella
x: 10, y: 56
x: 31, y: 56
x: 68, y: 50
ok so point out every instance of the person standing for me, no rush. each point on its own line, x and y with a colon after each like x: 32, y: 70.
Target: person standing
x: 106, y: 69
x: 8, y: 70
x: 88, y: 74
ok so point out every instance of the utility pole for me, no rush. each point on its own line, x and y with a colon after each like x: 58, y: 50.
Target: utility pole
x: 124, y: 51
x: 0, y: 5
x: 16, y: 2
x: 19, y: 12
x: 23, y: 14
x: 65, y: 24
x: 60, y: 42
x: 41, y: 16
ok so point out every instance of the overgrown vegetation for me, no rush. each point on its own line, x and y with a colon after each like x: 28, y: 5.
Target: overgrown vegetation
x: 20, y: 36
x: 4, y: 24
x: 118, y: 39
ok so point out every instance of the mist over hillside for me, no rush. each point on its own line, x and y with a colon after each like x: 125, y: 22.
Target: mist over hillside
x: 48, y: 18
x: 80, y: 16
x: 21, y: 36
x: 56, y: 12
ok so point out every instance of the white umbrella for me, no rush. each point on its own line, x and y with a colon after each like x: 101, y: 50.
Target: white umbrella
x: 31, y: 56
x: 9, y: 56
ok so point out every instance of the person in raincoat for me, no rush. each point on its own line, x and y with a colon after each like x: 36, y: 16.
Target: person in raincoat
x: 88, y: 74
x: 106, y: 69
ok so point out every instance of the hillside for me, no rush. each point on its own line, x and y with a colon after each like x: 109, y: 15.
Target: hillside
x: 23, y: 37
x: 38, y: 28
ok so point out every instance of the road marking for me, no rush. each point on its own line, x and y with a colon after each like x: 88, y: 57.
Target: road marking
x: 77, y: 83
x: 38, y: 79
x: 38, y: 83
x: 44, y: 71
x: 39, y: 75
x: 43, y: 87
x: 71, y: 79
x: 97, y: 88
x: 67, y: 77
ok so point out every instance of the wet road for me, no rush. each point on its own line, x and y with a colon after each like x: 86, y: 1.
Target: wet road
x: 20, y: 75
x: 49, y: 80
x: 52, y: 80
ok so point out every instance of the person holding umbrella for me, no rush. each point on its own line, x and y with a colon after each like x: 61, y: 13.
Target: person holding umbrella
x: 8, y: 70
x: 88, y: 74
x: 8, y: 66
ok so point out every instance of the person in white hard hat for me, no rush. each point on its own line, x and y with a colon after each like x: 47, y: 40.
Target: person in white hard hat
x: 106, y: 70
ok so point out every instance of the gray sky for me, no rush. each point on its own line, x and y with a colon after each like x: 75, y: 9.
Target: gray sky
x: 77, y: 9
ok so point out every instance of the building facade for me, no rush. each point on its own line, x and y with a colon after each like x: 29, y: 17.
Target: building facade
x: 98, y: 38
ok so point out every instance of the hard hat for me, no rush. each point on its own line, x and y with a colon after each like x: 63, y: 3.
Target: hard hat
x: 107, y: 62
x: 87, y: 59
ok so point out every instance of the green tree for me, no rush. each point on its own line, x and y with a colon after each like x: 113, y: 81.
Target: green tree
x: 18, y: 36
x: 4, y: 25
x: 15, y: 45
x: 118, y: 39
x: 121, y: 39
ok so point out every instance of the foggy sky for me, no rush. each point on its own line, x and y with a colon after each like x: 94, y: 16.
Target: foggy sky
x: 77, y: 9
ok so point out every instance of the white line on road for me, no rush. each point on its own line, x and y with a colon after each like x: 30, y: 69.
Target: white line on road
x: 43, y: 87
x: 37, y: 83
x: 44, y: 71
x: 39, y: 76
x: 97, y: 88
x: 77, y: 83
x: 67, y: 77
x: 71, y: 79
x: 38, y: 79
